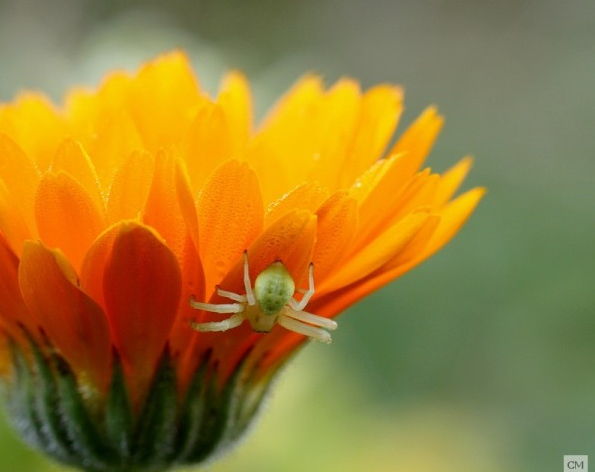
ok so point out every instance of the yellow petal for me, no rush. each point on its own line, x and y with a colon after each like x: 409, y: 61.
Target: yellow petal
x: 21, y: 177
x: 380, y: 110
x: 207, y: 143
x: 163, y: 100
x: 236, y: 102
x: 38, y: 128
x: 417, y: 141
x: 451, y: 180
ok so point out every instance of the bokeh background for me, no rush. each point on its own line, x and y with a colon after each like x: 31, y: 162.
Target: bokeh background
x: 483, y: 358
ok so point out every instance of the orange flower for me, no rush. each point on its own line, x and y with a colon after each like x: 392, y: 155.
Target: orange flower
x: 125, y: 203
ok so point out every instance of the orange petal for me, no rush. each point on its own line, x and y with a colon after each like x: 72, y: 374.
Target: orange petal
x: 163, y: 100
x: 163, y: 210
x: 20, y: 177
x: 337, y: 223
x: 417, y: 141
x: 142, y: 285
x: 290, y: 239
x: 230, y: 217
x: 12, y: 223
x: 67, y: 216
x: 186, y: 201
x: 193, y: 285
x: 307, y: 196
x: 93, y: 266
x: 72, y: 159
x: 74, y: 323
x: 130, y: 187
x: 458, y: 211
x: 385, y: 205
x: 13, y: 312
x: 236, y: 101
x: 366, y: 260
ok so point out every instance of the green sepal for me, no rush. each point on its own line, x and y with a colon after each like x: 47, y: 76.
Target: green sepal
x: 108, y: 434
x: 47, y: 407
x: 194, y: 412
x: 156, y: 429
x: 119, y: 420
x: 93, y: 454
x: 20, y: 393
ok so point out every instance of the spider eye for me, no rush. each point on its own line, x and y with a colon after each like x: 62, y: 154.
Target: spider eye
x: 273, y: 288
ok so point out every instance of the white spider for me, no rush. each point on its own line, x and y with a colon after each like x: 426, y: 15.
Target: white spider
x: 270, y: 301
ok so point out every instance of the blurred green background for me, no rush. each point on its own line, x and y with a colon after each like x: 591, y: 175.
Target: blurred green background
x: 481, y: 359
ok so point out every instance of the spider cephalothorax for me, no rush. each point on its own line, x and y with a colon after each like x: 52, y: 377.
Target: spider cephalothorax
x: 270, y: 301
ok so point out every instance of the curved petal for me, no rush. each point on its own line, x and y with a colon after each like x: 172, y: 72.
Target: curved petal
x: 67, y: 216
x: 130, y: 187
x: 12, y: 222
x: 163, y: 211
x: 71, y: 158
x: 230, y: 217
x: 74, y: 323
x: 307, y: 196
x: 337, y: 224
x: 14, y: 314
x: 142, y: 285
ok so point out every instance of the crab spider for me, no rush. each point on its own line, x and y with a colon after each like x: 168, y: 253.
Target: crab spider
x: 270, y: 301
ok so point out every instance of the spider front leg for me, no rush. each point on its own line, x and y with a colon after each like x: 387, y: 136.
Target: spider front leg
x: 299, y: 306
x: 231, y: 322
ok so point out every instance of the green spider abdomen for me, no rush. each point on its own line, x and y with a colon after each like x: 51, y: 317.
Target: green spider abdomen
x: 273, y: 288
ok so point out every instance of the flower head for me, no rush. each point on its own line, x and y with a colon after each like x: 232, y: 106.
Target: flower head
x: 128, y: 207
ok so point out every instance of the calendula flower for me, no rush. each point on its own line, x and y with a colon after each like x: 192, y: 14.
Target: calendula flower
x: 131, y: 214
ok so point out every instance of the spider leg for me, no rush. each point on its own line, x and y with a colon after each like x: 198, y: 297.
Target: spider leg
x: 249, y: 292
x: 302, y: 328
x: 217, y: 307
x: 315, y: 320
x: 299, y: 306
x: 231, y: 295
x: 231, y: 322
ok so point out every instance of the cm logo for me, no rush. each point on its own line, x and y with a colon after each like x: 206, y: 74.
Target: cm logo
x: 576, y: 463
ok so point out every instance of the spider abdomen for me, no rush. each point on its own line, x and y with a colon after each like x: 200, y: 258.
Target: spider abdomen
x: 273, y: 288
